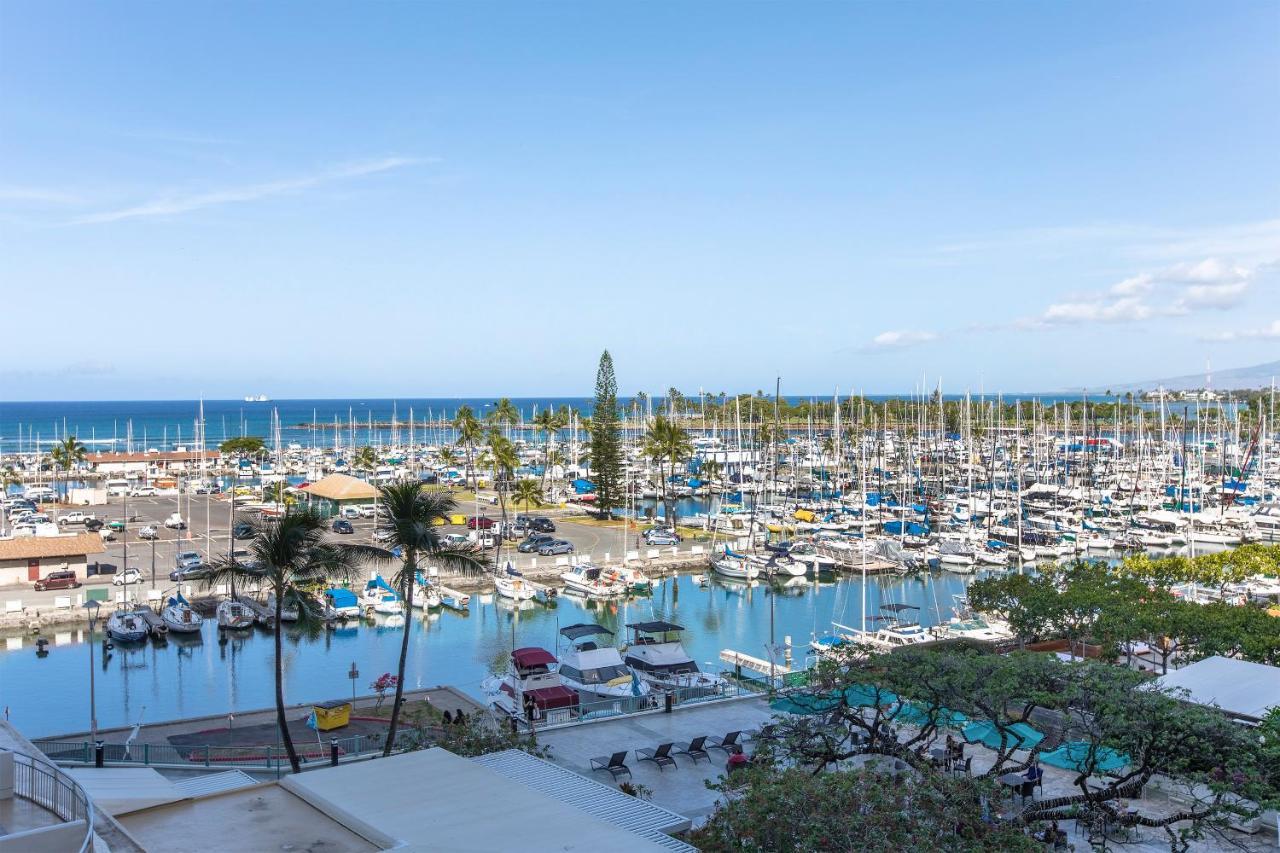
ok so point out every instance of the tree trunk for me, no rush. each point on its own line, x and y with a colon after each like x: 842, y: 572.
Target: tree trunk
x: 281, y: 722
x: 411, y: 568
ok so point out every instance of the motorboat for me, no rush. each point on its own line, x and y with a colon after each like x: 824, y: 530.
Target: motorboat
x: 234, y: 616
x: 532, y: 689
x: 734, y: 566
x: 631, y: 578
x: 784, y: 567
x: 512, y: 584
x: 341, y: 604
x: 597, y: 671
x: 425, y: 594
x: 590, y: 581
x: 956, y: 557
x: 179, y: 616
x: 658, y: 657
x: 126, y: 626
x: 808, y: 554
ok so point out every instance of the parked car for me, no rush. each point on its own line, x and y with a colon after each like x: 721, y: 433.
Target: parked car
x: 175, y: 522
x: 75, y: 517
x: 487, y: 540
x: 93, y: 525
x: 542, y: 524
x: 384, y: 534
x: 479, y: 522
x: 129, y: 575
x: 149, y: 532
x: 351, y: 512
x: 534, y: 542
x: 187, y: 559
x: 144, y: 492
x: 107, y: 534
x: 242, y: 531
x: 556, y: 546
x: 341, y: 525
x: 191, y: 573
x: 208, y: 489
x: 661, y: 536
x: 456, y: 540
x: 58, y: 580
x: 521, y: 524
x: 119, y: 524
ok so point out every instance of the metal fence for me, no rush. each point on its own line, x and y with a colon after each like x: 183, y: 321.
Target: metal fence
x: 47, y: 786
x: 656, y: 700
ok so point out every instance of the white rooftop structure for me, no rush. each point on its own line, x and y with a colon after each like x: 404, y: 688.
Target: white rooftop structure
x: 435, y: 800
x: 1240, y: 688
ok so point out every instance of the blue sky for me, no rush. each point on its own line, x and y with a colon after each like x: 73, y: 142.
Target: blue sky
x: 436, y: 199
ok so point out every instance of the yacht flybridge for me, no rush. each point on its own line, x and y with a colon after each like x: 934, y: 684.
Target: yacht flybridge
x: 658, y: 657
x: 597, y: 671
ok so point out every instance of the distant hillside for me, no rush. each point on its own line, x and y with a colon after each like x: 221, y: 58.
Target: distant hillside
x: 1257, y: 376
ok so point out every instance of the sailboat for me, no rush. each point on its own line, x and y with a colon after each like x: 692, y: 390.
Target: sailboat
x: 511, y: 584
x: 126, y: 626
x: 179, y: 616
x: 234, y: 615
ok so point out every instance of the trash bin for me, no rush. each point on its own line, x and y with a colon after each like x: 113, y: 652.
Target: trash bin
x: 332, y: 715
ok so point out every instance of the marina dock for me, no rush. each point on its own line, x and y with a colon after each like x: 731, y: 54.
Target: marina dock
x: 155, y: 625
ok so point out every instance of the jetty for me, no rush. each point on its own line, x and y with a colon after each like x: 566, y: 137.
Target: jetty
x: 453, y: 599
x: 155, y: 625
x: 261, y: 613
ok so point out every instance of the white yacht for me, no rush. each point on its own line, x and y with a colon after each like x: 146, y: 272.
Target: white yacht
x: 511, y: 584
x: 658, y: 657
x: 234, y: 615
x: 531, y: 675
x: 586, y: 579
x: 734, y: 566
x: 597, y: 671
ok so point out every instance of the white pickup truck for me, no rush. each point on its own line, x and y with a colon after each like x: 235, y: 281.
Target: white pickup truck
x: 76, y: 517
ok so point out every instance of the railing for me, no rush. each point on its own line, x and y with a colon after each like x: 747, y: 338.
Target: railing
x: 47, y: 786
x: 655, y: 700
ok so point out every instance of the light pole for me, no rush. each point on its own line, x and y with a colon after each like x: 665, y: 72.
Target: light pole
x: 92, y: 608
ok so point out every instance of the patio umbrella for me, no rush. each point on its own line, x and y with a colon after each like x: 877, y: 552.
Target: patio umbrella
x: 1017, y: 736
x: 917, y: 715
x: 1074, y: 755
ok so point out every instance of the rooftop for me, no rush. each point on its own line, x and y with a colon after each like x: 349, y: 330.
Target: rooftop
x: 340, y: 487
x: 38, y: 547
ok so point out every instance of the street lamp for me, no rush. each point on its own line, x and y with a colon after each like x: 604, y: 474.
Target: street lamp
x: 92, y: 608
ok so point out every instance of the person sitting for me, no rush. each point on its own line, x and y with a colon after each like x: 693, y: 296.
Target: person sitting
x: 1034, y: 773
x: 955, y: 749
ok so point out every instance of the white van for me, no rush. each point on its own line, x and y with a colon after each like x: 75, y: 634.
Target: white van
x: 117, y: 488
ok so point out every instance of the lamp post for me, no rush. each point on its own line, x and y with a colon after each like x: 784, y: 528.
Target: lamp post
x: 92, y: 608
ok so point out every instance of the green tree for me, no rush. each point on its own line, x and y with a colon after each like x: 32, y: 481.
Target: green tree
x: 667, y: 443
x: 606, y: 440
x: 365, y: 459
x: 504, y: 413
x: 245, y: 445
x: 548, y: 423
x: 413, y: 515
x: 291, y: 556
x: 469, y: 434
x: 66, y: 454
x: 528, y: 494
x: 279, y: 493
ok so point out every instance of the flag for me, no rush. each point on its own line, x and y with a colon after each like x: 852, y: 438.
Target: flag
x: 311, y: 721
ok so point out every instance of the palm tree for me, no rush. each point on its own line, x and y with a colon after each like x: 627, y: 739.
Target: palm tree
x: 290, y: 555
x: 667, y: 441
x: 505, y: 461
x: 469, y: 432
x: 505, y: 413
x: 527, y: 492
x: 65, y: 454
x: 365, y: 459
x: 412, y: 515
x: 548, y: 423
x: 710, y: 470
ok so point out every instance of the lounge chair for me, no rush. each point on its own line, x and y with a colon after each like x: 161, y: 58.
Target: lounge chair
x: 965, y: 767
x: 660, y: 756
x: 616, y: 764
x: 696, y: 749
x: 731, y: 742
x: 766, y: 732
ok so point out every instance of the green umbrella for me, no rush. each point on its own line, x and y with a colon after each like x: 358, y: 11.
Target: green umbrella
x: 1074, y: 755
x: 918, y: 715
x: 1017, y: 736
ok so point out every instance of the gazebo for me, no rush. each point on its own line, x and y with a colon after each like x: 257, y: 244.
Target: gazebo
x: 329, y: 495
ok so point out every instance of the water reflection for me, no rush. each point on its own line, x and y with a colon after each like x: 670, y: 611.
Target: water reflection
x: 201, y: 674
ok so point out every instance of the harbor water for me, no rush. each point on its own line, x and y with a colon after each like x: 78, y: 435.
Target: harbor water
x: 49, y: 695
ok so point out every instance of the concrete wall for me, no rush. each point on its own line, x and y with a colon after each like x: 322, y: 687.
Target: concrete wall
x: 15, y: 571
x: 59, y: 838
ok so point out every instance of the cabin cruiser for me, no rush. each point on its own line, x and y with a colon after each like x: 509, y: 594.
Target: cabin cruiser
x: 341, y: 604
x: 180, y: 617
x: 808, y: 554
x: 632, y: 579
x: 586, y: 579
x: 126, y: 626
x: 734, y: 566
x: 967, y: 624
x: 597, y: 671
x: 234, y: 615
x: 956, y: 556
x: 658, y: 657
x: 531, y: 675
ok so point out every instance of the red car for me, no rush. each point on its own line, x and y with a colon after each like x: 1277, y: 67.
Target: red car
x: 479, y: 522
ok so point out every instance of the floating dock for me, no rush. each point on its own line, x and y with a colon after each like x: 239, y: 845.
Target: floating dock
x: 262, y: 614
x: 155, y: 625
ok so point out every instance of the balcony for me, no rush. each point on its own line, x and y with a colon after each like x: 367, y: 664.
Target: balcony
x: 41, y: 808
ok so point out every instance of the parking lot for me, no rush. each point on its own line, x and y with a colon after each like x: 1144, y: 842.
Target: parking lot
x: 209, y: 524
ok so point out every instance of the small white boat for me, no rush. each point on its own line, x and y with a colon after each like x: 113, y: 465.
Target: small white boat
x: 126, y: 626
x: 734, y: 566
x: 586, y: 579
x: 511, y: 584
x: 234, y: 616
x: 632, y: 579
x: 425, y: 594
x: 658, y: 657
x: 379, y: 597
x: 597, y: 671
x: 341, y: 604
x: 532, y: 687
x: 180, y: 617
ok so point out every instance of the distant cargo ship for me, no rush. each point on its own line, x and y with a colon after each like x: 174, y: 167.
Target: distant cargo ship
x: 261, y: 398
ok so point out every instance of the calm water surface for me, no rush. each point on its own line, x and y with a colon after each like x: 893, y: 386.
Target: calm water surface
x: 182, y: 678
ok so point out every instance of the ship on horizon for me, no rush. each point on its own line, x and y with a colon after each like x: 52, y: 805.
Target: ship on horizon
x: 261, y: 398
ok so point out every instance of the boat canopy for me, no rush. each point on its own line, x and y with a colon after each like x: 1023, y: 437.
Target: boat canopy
x: 559, y: 696
x: 577, y: 632
x: 654, y: 627
x: 379, y: 583
x: 531, y: 656
x: 342, y: 597
x: 898, y: 608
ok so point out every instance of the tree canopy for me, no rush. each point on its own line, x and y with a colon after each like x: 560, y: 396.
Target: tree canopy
x: 245, y: 445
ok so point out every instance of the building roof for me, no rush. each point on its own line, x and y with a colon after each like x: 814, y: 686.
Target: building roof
x: 1240, y: 688
x: 39, y: 547
x: 158, y: 456
x: 340, y: 487
x: 434, y: 800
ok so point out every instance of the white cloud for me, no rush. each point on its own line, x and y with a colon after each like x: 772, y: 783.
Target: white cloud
x: 172, y: 205
x: 1125, y: 310
x: 900, y: 339
x: 1268, y: 332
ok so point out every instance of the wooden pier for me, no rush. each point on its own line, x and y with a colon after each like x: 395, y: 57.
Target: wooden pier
x: 262, y: 614
x: 155, y: 625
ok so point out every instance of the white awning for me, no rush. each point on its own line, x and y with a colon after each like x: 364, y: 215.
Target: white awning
x: 1240, y: 688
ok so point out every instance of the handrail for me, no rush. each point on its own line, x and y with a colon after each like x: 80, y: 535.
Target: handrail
x: 45, y: 785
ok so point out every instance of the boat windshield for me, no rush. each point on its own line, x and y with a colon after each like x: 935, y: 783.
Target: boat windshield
x: 599, y: 675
